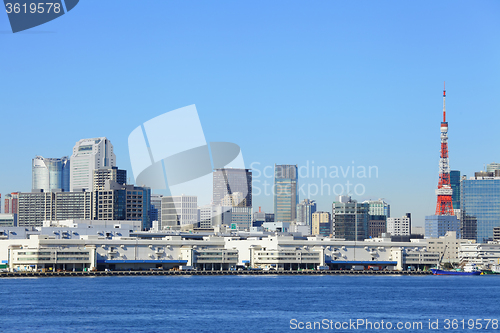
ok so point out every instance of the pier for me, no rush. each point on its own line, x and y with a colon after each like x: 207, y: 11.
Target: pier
x: 213, y: 273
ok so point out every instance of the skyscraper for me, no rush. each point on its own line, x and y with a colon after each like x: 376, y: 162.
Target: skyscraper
x: 455, y: 186
x: 50, y: 173
x: 89, y: 155
x: 286, y: 193
x: 229, y: 181
x: 479, y: 207
x: 305, y: 209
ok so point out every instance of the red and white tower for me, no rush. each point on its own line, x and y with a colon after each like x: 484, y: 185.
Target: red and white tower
x: 444, y: 191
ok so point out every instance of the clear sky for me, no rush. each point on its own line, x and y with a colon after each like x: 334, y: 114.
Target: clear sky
x: 337, y: 83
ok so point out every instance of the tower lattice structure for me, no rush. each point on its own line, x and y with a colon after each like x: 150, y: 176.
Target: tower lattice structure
x: 444, y: 191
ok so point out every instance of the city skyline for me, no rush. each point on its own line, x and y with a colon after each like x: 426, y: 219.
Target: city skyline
x: 370, y: 86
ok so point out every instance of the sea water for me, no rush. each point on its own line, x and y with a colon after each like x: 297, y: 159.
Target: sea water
x: 250, y: 303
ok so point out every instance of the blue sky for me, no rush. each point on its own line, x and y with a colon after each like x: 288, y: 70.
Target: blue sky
x: 290, y: 82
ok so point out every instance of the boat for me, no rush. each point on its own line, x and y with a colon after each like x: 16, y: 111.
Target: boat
x: 495, y: 269
x: 469, y: 269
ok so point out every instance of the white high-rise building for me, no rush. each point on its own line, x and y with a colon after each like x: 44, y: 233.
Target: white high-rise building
x: 179, y: 210
x: 89, y: 155
x: 398, y: 226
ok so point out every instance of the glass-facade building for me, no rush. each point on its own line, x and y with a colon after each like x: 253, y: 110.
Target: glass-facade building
x: 480, y: 207
x: 350, y: 220
x: 229, y: 181
x: 437, y: 225
x: 50, y: 174
x: 455, y: 186
x: 286, y: 193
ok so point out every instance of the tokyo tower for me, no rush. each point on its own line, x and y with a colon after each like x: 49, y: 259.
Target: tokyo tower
x: 444, y: 191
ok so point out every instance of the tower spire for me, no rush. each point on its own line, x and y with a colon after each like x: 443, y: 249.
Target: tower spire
x: 444, y: 202
x: 444, y: 102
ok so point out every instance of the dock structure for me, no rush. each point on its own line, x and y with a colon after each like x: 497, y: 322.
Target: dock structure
x: 206, y: 273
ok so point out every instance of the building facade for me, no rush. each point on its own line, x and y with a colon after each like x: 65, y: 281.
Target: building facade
x: 36, y: 207
x: 286, y: 193
x: 438, y: 225
x: 455, y: 186
x: 11, y: 203
x: 156, y: 208
x: 399, y: 226
x: 229, y: 181
x: 108, y: 173
x: 116, y: 201
x: 305, y: 209
x: 378, y: 207
x: 177, y: 211
x: 350, y: 219
x: 321, y: 224
x: 377, y: 225
x: 50, y: 173
x: 89, y: 155
x: 261, y: 217
x: 480, y: 207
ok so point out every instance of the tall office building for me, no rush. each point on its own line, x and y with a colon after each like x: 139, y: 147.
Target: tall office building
x: 116, y: 201
x: 455, y: 186
x: 286, y: 193
x: 179, y: 210
x: 36, y: 207
x: 229, y: 181
x: 108, y: 173
x: 50, y: 173
x: 479, y: 207
x: 11, y: 203
x: 89, y: 155
x: 321, y: 224
x: 305, y: 209
x: 350, y: 219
